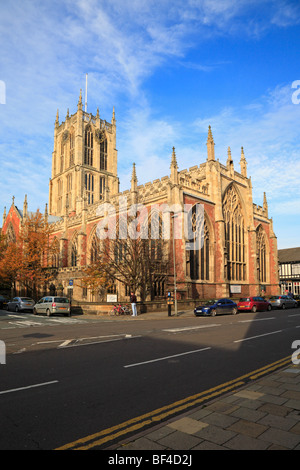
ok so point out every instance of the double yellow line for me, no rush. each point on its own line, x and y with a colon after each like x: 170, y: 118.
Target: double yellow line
x: 136, y: 424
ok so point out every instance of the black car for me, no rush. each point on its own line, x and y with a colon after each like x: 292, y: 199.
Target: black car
x: 214, y: 307
x: 3, y: 302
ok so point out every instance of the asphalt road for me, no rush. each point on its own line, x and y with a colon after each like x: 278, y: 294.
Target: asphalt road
x: 69, y: 378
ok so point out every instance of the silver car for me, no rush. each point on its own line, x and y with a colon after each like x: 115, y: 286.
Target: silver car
x: 53, y: 304
x: 17, y: 304
x: 282, y: 301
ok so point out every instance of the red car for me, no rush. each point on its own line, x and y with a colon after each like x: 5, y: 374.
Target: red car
x: 254, y: 304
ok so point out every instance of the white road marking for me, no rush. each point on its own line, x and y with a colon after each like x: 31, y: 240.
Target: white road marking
x: 186, y: 328
x: 166, y: 357
x: 26, y: 388
x: 258, y: 336
x: 257, y: 319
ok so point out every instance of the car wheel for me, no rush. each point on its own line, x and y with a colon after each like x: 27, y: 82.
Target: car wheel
x: 34, y: 312
x: 283, y: 306
x: 48, y: 313
x: 269, y: 308
x: 234, y: 311
x: 213, y: 313
x: 254, y: 308
x: 17, y: 309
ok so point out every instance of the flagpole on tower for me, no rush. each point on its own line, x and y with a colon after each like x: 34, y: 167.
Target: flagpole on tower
x: 86, y: 80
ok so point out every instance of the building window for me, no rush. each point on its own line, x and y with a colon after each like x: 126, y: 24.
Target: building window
x: 198, y: 255
x: 89, y: 145
x: 89, y: 187
x: 60, y: 195
x: 261, y: 255
x: 94, y: 251
x: 74, y: 253
x: 10, y: 234
x: 235, y: 253
x: 103, y: 155
x: 101, y: 188
x: 72, y: 148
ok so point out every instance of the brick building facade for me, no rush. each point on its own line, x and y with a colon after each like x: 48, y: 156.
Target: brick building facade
x: 238, y: 255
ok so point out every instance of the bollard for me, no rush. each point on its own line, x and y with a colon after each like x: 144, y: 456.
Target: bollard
x: 2, y: 353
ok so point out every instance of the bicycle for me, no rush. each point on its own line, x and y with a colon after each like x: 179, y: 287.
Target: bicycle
x: 119, y: 310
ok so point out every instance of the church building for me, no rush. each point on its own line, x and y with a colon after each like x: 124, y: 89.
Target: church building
x: 238, y: 254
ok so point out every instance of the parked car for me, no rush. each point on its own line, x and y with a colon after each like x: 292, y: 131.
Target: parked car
x: 17, y: 304
x: 3, y: 302
x: 214, y: 307
x: 283, y: 301
x: 53, y: 304
x: 297, y: 298
x: 254, y: 304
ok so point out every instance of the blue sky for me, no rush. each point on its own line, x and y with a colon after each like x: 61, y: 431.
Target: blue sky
x: 170, y: 68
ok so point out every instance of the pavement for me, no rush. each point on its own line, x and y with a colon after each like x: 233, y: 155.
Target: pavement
x: 264, y: 414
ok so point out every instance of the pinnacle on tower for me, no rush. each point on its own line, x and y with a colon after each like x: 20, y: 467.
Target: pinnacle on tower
x: 133, y: 179
x: 243, y: 163
x: 174, y: 167
x: 229, y: 158
x: 25, y: 205
x: 57, y: 119
x: 79, y: 106
x: 174, y: 161
x: 210, y: 146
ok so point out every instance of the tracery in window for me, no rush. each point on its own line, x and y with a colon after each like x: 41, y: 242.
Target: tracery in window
x: 235, y: 255
x: 198, y: 254
x: 94, y: 249
x: 261, y: 254
x: 10, y: 234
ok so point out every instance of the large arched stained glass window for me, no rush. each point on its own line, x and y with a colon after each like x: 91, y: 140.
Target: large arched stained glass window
x: 94, y: 249
x: 261, y: 255
x: 198, y: 254
x: 235, y: 253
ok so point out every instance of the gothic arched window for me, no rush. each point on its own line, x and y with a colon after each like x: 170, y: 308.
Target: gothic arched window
x: 103, y: 154
x: 10, y: 234
x: 74, y: 253
x: 72, y: 148
x: 89, y: 187
x: 261, y: 255
x: 94, y: 250
x: 235, y: 256
x: 59, y: 195
x: 89, y: 146
x: 198, y: 252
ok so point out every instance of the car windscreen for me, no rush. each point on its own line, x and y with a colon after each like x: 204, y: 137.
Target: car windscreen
x: 274, y: 297
x: 210, y: 302
x: 26, y: 299
x: 61, y: 300
x: 244, y: 299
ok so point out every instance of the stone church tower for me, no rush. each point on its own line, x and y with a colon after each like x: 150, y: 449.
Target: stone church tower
x: 84, y: 162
